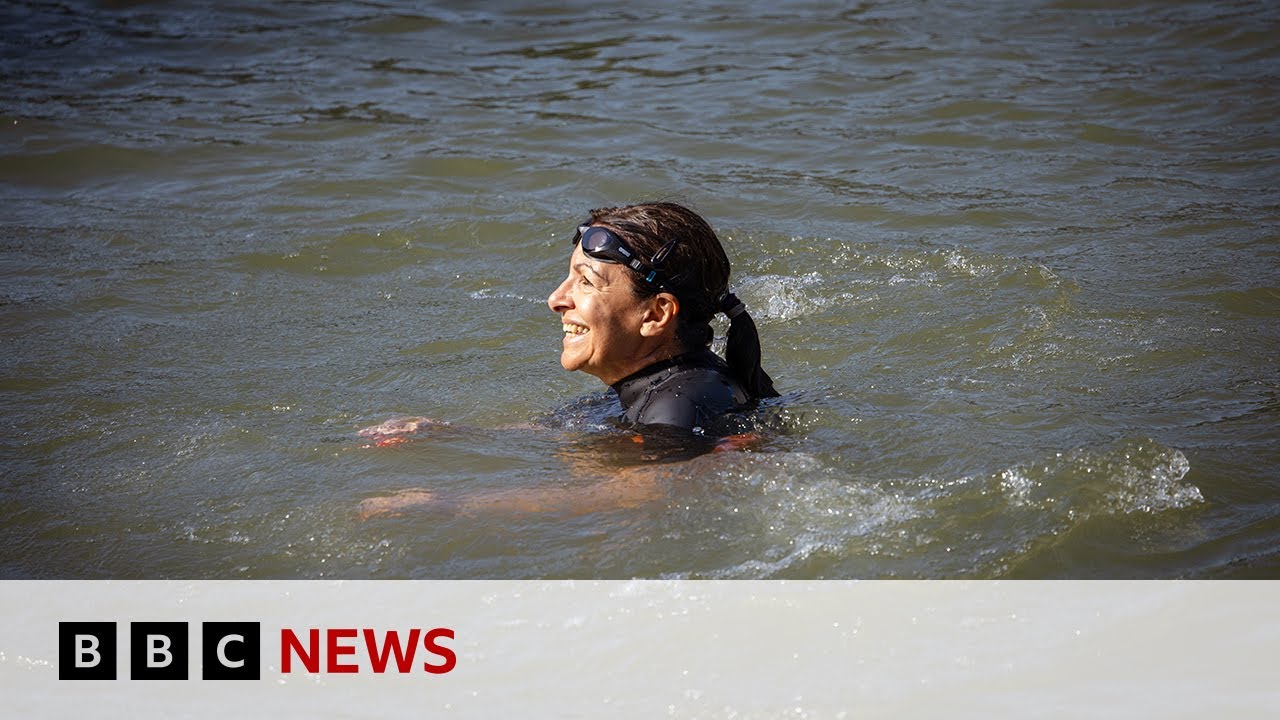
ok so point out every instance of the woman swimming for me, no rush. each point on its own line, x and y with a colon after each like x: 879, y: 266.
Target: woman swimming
x: 644, y: 283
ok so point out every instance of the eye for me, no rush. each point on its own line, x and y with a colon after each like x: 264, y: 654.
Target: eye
x: 587, y: 282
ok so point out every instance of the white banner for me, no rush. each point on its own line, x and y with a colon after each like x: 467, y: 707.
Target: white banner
x: 640, y: 649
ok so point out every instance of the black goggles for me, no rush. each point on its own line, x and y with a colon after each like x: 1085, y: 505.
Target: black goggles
x: 602, y: 244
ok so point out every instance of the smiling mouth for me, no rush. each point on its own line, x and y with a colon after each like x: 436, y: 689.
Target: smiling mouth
x: 575, y: 329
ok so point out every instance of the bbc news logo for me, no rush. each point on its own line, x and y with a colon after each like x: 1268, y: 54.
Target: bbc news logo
x: 233, y: 651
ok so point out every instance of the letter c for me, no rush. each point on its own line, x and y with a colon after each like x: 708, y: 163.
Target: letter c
x: 222, y: 651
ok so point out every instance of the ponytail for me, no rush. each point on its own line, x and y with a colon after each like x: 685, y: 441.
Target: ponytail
x: 742, y: 350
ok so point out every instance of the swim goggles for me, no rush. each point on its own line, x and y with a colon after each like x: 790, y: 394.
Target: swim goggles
x: 602, y: 244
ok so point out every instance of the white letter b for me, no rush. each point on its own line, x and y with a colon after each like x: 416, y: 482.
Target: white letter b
x: 157, y: 650
x: 85, y: 650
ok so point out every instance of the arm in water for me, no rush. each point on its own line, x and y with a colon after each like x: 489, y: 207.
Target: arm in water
x: 398, y: 430
x: 626, y: 488
x: 597, y: 486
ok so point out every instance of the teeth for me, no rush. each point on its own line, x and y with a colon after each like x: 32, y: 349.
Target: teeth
x: 574, y: 329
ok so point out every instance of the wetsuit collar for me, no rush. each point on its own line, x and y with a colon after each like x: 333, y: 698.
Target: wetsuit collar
x: 632, y: 387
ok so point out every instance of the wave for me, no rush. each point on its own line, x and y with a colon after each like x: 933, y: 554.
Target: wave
x: 792, y: 514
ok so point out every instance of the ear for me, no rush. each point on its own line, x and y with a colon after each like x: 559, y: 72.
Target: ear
x: 660, y: 317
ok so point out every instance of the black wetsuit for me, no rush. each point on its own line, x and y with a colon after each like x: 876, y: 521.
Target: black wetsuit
x: 692, y: 391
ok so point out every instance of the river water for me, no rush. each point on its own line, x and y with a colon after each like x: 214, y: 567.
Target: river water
x: 1016, y: 267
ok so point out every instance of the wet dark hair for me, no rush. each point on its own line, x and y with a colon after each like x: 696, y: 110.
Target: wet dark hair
x: 698, y: 275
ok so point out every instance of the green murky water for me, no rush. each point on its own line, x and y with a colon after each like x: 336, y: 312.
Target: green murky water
x: 1016, y: 267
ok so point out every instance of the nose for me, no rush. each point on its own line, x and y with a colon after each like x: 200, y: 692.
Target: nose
x: 558, y: 300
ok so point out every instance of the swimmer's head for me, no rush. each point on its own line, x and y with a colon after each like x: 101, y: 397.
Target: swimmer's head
x: 695, y: 268
x: 678, y: 253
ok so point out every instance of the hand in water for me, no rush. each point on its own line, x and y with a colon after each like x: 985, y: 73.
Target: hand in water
x: 741, y: 441
x: 397, y: 430
x: 397, y: 503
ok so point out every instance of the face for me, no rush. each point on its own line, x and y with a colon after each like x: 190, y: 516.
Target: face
x: 602, y: 319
